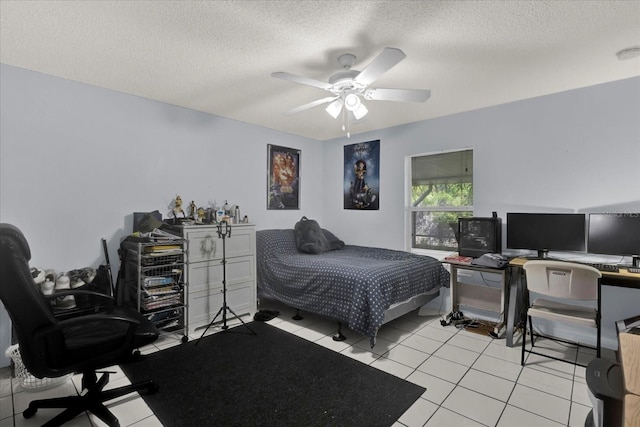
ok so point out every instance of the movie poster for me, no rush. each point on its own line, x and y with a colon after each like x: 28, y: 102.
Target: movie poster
x: 283, y: 180
x: 362, y: 175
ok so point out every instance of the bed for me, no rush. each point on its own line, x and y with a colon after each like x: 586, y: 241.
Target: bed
x: 361, y: 287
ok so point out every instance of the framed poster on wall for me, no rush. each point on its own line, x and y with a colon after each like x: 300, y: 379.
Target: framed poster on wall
x: 283, y: 180
x: 361, y: 185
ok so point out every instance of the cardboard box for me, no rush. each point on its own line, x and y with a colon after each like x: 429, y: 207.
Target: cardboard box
x: 630, y: 357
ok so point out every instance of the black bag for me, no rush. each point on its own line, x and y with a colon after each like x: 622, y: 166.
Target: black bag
x: 102, y: 281
x: 101, y: 284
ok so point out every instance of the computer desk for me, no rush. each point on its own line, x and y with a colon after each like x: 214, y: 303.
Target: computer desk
x: 622, y: 278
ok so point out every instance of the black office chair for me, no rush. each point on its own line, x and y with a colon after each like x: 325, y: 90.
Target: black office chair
x: 51, y: 348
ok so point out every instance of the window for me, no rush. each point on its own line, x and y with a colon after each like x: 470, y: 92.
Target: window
x: 441, y: 192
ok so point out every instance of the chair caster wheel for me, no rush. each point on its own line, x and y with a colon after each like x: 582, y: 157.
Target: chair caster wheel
x: 185, y: 338
x: 29, y: 412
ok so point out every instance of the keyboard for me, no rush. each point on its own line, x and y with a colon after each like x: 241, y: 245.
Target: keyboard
x: 633, y: 270
x: 609, y: 268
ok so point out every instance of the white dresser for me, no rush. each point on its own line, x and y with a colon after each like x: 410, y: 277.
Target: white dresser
x: 205, y: 273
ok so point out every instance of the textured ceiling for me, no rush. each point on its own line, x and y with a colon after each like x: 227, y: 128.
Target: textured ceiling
x: 218, y: 56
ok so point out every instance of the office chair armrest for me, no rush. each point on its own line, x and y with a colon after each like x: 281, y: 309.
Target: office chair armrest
x: 57, y: 294
x: 104, y: 317
x: 96, y: 297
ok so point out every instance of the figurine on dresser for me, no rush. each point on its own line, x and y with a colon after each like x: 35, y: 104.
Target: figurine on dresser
x: 176, y: 208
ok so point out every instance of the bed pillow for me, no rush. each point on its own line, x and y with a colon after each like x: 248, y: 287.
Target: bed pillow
x: 334, y: 242
x: 311, y: 239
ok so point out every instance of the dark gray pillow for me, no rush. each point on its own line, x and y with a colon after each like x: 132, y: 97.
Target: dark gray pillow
x: 334, y: 242
x: 311, y: 239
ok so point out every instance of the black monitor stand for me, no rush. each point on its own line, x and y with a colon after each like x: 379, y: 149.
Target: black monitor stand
x: 543, y: 254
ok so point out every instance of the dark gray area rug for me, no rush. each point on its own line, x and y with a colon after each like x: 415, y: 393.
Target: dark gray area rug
x: 272, y: 378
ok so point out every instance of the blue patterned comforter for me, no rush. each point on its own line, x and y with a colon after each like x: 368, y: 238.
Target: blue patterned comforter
x: 354, y: 285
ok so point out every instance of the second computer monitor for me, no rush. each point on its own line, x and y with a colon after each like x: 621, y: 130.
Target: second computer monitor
x: 544, y: 232
x: 615, y: 234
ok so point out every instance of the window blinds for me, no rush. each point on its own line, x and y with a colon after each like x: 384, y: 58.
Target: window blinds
x: 443, y: 168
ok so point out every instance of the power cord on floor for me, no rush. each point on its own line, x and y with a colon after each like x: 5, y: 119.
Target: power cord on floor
x: 458, y: 320
x: 466, y: 323
x: 452, y: 318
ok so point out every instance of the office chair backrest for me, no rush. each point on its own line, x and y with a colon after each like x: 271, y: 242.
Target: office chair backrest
x: 28, y: 308
x: 562, y: 279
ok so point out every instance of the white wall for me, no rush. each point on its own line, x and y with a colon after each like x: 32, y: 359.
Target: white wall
x: 572, y: 151
x: 568, y: 151
x: 76, y: 161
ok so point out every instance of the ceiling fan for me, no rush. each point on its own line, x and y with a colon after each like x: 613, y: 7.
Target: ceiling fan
x: 349, y: 86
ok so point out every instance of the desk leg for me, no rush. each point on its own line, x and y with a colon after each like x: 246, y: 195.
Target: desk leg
x: 452, y: 288
x: 599, y: 318
x: 513, y: 302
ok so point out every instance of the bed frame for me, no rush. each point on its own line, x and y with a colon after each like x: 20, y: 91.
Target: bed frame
x: 395, y: 311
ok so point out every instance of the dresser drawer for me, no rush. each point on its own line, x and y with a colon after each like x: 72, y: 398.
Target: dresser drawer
x: 204, y: 275
x: 203, y: 243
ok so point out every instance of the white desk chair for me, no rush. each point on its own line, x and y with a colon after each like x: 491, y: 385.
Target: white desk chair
x: 570, y: 282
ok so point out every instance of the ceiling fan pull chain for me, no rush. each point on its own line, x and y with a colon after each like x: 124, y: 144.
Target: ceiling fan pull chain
x: 343, y: 121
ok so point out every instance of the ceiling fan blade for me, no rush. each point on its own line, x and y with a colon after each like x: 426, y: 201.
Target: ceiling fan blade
x: 302, y: 80
x: 387, y: 59
x: 310, y: 105
x: 403, y: 95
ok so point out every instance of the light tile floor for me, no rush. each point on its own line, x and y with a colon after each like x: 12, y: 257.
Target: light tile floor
x: 471, y: 379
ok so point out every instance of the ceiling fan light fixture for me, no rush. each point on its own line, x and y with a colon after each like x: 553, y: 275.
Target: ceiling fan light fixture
x: 352, y: 102
x: 334, y: 108
x: 360, y: 112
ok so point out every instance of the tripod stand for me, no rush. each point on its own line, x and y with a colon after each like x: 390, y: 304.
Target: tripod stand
x: 224, y: 232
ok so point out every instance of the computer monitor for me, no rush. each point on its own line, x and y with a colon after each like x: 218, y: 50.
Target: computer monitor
x: 615, y: 234
x: 544, y: 232
x: 479, y: 236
